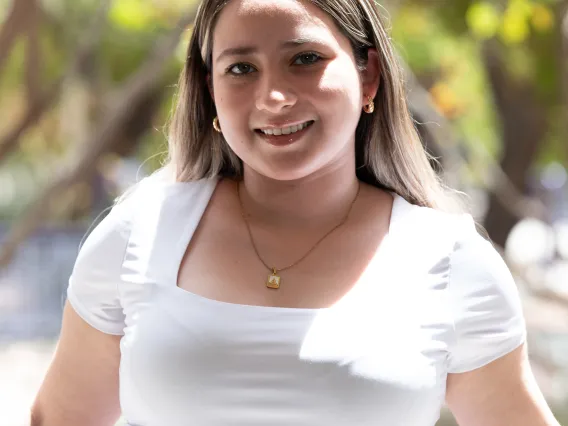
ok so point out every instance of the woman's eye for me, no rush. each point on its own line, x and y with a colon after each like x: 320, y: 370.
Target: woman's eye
x: 302, y: 59
x: 240, y: 69
x: 307, y: 59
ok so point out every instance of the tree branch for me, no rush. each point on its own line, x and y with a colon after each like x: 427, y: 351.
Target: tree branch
x: 133, y: 91
x: 14, y: 25
x: 31, y: 116
x: 43, y: 102
x: 33, y: 53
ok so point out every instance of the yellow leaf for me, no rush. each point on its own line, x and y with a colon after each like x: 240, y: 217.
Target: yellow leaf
x: 131, y: 14
x: 415, y: 20
x: 483, y: 19
x: 542, y: 18
x: 520, y: 7
x: 515, y: 28
x: 445, y: 99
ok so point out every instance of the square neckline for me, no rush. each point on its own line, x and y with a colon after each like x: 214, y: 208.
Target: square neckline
x: 189, y: 230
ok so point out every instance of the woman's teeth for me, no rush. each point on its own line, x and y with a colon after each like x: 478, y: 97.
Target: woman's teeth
x: 286, y: 130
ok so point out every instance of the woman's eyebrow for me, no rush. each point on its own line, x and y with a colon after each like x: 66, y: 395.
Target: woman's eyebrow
x: 248, y: 50
x: 300, y: 41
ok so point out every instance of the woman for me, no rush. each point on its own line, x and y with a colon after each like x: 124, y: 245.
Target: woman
x: 292, y: 265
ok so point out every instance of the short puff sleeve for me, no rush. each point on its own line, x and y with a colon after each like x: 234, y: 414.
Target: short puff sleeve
x: 93, y: 289
x: 485, y: 303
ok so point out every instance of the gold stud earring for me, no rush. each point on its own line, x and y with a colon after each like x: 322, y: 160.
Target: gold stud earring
x: 216, y: 125
x: 370, y: 107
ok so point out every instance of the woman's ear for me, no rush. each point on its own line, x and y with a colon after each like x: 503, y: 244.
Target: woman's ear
x: 371, y: 75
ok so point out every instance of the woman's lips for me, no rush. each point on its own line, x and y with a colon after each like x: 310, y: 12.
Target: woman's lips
x: 283, y: 140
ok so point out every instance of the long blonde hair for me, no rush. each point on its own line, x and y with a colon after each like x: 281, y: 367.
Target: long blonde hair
x: 389, y: 153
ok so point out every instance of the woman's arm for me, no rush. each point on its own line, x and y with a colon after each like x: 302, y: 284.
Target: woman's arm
x: 503, y: 392
x: 81, y: 385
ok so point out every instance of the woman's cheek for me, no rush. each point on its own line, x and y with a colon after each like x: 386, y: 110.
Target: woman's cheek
x: 231, y: 98
x: 342, y: 76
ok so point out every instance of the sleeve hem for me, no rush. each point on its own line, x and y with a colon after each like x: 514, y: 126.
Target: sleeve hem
x: 482, y: 362
x: 84, y: 314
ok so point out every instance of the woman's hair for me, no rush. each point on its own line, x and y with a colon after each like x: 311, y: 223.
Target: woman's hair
x: 389, y: 153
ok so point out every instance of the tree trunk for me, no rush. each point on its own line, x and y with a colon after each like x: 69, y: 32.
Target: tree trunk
x: 524, y: 126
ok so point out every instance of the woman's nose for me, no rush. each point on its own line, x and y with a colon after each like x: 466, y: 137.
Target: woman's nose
x: 275, y: 94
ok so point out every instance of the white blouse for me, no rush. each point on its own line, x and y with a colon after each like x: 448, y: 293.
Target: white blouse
x: 435, y: 299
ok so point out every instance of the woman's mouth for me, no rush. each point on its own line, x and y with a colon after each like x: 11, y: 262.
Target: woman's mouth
x: 285, y: 135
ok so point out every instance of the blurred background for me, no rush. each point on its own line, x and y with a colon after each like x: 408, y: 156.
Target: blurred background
x: 86, y: 89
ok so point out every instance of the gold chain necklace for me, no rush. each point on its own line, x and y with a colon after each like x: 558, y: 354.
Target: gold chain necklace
x: 274, y: 279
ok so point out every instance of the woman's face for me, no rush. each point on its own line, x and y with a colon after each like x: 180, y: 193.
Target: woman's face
x: 286, y: 87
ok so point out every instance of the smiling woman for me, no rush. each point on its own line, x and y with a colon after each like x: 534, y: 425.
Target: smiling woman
x: 326, y: 59
x: 295, y: 262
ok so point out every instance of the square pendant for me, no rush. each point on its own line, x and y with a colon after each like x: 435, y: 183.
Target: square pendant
x: 273, y: 281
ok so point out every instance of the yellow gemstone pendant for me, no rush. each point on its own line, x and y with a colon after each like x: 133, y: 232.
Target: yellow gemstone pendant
x: 273, y: 280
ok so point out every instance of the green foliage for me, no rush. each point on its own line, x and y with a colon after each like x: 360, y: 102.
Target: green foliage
x: 513, y: 21
x: 449, y: 66
x: 483, y: 19
x: 441, y: 42
x: 131, y: 15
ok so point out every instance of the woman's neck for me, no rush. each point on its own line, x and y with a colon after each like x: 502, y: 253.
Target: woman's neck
x: 318, y: 199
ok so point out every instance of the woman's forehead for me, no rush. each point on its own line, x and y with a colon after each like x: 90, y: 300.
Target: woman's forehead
x: 279, y: 21
x: 268, y: 8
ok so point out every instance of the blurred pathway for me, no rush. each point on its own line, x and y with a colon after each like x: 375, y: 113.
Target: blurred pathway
x: 22, y: 368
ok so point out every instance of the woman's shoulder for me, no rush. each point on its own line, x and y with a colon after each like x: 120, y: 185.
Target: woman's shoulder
x: 435, y: 237
x: 430, y: 226
x: 160, y: 190
x: 485, y: 307
x: 149, y: 213
x: 154, y: 197
x: 163, y: 181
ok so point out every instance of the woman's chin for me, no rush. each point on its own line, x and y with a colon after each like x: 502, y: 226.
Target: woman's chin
x: 289, y: 169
